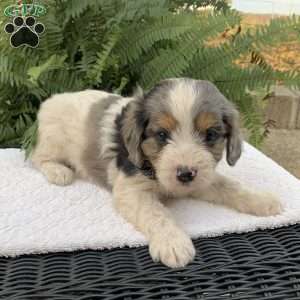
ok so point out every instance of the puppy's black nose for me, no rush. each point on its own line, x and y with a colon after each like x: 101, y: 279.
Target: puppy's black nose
x: 185, y: 174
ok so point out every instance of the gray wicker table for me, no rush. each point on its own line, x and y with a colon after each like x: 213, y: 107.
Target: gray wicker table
x: 257, y: 265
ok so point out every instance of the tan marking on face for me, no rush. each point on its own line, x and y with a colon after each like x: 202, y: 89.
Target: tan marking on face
x: 205, y: 120
x: 217, y: 149
x: 167, y: 122
x: 151, y: 149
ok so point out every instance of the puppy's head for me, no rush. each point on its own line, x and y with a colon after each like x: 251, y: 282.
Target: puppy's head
x: 182, y: 126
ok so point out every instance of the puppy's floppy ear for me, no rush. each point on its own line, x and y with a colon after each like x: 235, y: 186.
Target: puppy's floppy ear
x: 133, y: 126
x: 234, y: 140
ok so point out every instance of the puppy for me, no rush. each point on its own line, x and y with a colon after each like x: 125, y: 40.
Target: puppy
x: 149, y: 148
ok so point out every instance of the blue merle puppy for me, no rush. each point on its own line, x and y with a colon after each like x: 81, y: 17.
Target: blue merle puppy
x: 160, y: 145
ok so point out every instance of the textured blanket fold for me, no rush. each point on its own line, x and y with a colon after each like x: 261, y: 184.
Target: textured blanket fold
x: 37, y: 217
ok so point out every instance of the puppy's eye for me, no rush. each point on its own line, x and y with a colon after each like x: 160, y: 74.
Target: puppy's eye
x: 162, y: 136
x: 212, y: 135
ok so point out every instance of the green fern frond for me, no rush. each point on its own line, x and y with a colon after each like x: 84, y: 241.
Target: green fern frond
x: 29, y: 139
x: 132, y: 10
x: 75, y: 8
x: 94, y: 74
x: 53, y: 62
x: 167, y: 63
x: 171, y: 27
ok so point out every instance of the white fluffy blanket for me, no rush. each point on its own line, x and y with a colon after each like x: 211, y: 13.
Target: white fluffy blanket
x: 36, y: 217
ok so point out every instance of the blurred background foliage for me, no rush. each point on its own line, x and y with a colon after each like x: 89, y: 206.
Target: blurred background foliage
x: 118, y: 44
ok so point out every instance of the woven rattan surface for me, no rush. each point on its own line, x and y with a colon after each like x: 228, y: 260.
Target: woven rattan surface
x: 257, y: 265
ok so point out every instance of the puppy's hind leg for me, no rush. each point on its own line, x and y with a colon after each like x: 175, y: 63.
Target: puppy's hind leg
x: 48, y: 158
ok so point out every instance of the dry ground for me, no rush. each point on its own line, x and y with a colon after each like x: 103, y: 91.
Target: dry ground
x: 284, y: 57
x: 283, y: 146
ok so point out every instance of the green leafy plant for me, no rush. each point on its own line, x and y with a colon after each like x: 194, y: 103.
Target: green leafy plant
x: 117, y: 44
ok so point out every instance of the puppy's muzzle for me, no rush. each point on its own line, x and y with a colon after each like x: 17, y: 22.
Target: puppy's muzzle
x: 185, y: 174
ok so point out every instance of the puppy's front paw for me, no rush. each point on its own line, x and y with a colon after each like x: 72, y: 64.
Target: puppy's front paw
x: 262, y: 204
x: 58, y: 174
x: 174, y: 249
